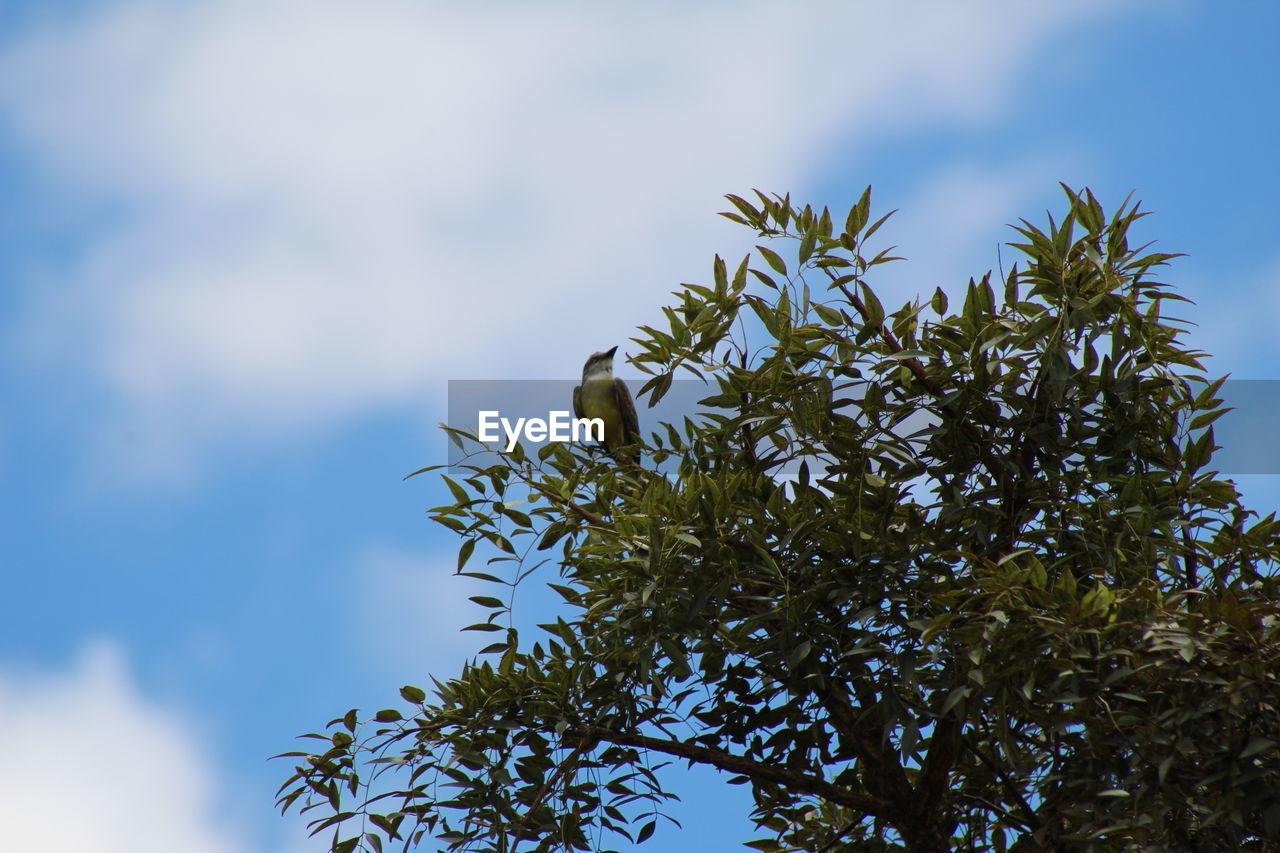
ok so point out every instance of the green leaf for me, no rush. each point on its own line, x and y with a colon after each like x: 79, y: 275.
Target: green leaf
x: 720, y: 274
x: 954, y: 698
x: 939, y: 302
x: 459, y: 493
x: 749, y: 213
x: 766, y: 845
x: 1202, y: 421
x: 464, y: 552
x: 771, y: 257
x: 1257, y: 745
x: 875, y: 311
x: 829, y: 316
x: 858, y: 214
x: 807, y: 243
x: 875, y: 226
x: 517, y: 516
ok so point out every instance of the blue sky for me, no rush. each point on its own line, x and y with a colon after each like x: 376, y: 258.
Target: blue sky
x: 244, y: 245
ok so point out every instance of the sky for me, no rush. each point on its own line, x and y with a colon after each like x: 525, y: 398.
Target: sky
x: 245, y: 244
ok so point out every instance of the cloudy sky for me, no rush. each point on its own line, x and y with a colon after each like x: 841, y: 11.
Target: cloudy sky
x: 245, y: 243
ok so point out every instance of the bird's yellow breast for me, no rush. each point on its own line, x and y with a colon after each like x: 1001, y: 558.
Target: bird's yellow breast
x: 599, y: 400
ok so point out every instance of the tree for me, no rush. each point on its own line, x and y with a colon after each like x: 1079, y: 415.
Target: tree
x: 923, y: 580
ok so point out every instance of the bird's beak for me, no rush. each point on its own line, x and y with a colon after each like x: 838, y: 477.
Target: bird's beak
x: 611, y: 352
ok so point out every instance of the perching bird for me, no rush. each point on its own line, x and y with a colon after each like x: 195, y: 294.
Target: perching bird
x: 604, y: 396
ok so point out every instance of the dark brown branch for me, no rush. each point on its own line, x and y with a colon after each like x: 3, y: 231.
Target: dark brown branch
x: 585, y: 514
x: 884, y: 775
x: 565, y: 767
x: 1032, y: 820
x: 748, y: 434
x: 1190, y: 565
x: 1009, y: 488
x: 793, y: 780
x: 934, y: 773
x: 891, y: 341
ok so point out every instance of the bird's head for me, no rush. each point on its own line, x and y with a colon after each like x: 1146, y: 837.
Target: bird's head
x: 599, y: 364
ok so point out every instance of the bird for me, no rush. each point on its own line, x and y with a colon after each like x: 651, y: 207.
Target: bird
x: 602, y: 395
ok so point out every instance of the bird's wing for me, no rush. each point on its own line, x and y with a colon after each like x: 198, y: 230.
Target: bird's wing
x: 630, y: 422
x: 577, y: 402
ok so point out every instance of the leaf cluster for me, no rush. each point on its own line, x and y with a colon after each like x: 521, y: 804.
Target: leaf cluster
x: 923, y: 578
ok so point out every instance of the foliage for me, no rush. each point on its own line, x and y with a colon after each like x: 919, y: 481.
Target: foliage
x: 923, y: 580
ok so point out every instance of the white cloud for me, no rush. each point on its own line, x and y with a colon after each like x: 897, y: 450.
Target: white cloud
x: 90, y: 766
x: 326, y: 206
x: 954, y: 226
x: 1237, y: 330
x: 411, y: 608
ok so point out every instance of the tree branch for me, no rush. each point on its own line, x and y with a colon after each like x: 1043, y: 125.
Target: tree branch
x: 1032, y: 819
x: 585, y: 514
x: 1190, y: 565
x: 884, y: 772
x: 757, y: 771
x: 932, y: 782
x: 554, y: 778
x: 1008, y: 485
